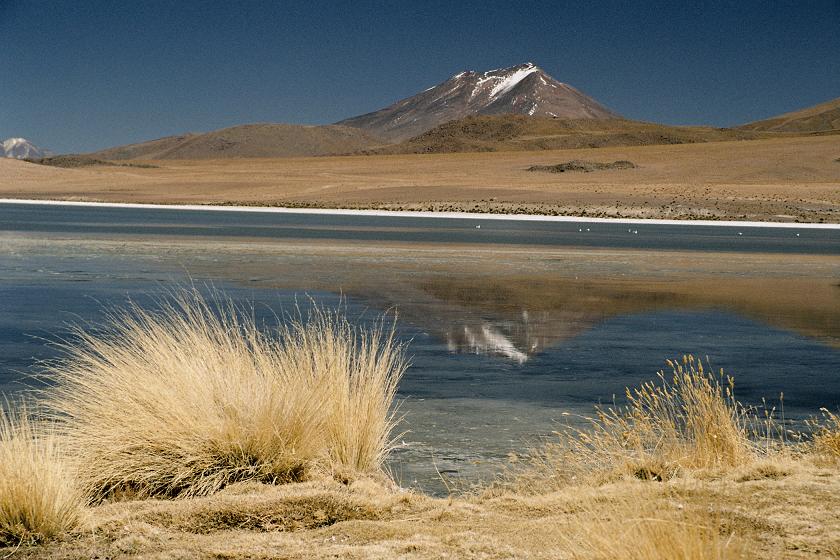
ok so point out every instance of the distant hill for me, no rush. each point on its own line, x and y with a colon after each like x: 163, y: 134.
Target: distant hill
x: 524, y: 89
x: 21, y: 148
x: 249, y: 141
x: 518, y: 132
x: 824, y: 117
x: 516, y: 108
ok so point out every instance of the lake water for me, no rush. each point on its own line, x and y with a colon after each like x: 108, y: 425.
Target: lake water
x: 510, y: 325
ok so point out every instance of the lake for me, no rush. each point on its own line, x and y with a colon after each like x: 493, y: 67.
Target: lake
x: 514, y: 327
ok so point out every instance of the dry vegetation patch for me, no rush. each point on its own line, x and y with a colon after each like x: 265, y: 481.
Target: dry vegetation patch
x: 75, y: 161
x: 39, y: 498
x: 648, y: 534
x: 185, y: 401
x: 583, y: 166
x: 258, y: 507
x: 686, y: 421
x: 827, y: 435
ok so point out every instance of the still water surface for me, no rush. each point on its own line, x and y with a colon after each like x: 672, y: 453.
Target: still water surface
x: 510, y: 325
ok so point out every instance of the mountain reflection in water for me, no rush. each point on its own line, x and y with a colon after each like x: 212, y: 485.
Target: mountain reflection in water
x: 487, y: 339
x: 514, y: 338
x: 517, y: 317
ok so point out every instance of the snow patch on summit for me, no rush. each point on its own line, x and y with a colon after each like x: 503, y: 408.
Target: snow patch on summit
x: 21, y: 148
x: 510, y: 81
x: 13, y: 142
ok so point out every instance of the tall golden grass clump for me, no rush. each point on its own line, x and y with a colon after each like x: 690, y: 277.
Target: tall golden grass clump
x: 827, y: 434
x: 686, y: 421
x: 193, y: 397
x: 38, y: 495
x: 356, y: 374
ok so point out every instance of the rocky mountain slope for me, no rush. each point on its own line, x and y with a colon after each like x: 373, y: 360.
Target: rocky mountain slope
x: 524, y: 89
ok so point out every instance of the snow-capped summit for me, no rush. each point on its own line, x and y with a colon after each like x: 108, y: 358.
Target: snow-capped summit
x: 21, y: 148
x: 524, y: 89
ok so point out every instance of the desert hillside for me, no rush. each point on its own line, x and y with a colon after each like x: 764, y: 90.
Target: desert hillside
x: 518, y: 132
x: 248, y: 141
x: 824, y: 117
x: 520, y: 108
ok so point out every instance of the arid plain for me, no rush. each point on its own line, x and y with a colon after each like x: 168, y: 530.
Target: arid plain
x: 788, y: 178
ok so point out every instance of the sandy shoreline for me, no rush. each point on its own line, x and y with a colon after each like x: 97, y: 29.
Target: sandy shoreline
x: 420, y: 214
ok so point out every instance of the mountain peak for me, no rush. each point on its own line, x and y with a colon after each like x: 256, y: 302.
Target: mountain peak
x: 524, y: 89
x: 499, y: 71
x: 21, y: 148
x: 524, y: 66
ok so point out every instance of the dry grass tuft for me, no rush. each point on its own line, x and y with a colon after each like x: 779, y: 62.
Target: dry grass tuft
x: 38, y: 496
x: 189, y: 399
x: 827, y: 435
x: 656, y: 535
x: 356, y: 374
x: 263, y: 509
x: 776, y: 468
x: 689, y: 420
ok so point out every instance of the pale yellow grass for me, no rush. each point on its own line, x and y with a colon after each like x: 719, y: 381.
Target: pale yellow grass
x: 193, y: 397
x: 827, y: 435
x: 687, y: 420
x: 638, y: 531
x: 38, y: 495
x: 771, y: 506
x: 740, y: 514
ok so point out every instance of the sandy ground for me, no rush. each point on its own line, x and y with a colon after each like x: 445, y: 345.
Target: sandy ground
x: 784, y: 179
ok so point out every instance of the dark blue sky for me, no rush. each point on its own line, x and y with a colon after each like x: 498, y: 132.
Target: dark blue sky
x: 80, y: 75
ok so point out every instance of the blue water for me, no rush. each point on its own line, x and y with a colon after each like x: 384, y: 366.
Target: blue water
x: 276, y: 226
x: 465, y: 409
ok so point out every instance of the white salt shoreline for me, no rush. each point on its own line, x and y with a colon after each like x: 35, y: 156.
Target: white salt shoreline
x: 412, y: 214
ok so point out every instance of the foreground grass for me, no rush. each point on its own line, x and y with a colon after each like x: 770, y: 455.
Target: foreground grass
x: 687, y: 420
x: 749, y: 512
x: 187, y: 400
x: 827, y: 435
x: 39, y: 497
x: 273, y: 444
